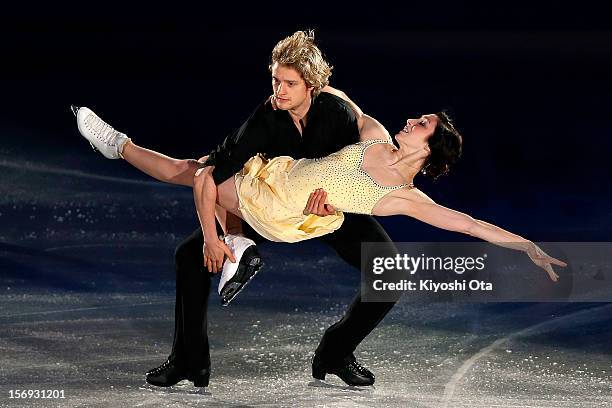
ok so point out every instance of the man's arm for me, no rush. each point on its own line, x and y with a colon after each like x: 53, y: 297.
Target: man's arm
x: 369, y: 128
x: 251, y: 138
x: 205, y: 198
x: 359, y: 115
x: 227, y: 159
x: 348, y: 125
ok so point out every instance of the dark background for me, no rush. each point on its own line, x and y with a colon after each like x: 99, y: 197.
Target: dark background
x: 528, y: 86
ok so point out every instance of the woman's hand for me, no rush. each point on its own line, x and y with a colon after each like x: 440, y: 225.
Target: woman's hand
x: 215, y: 251
x: 316, y: 204
x: 544, y: 261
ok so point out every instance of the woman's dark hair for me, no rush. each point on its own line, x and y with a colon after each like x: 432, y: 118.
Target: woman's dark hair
x: 446, y: 145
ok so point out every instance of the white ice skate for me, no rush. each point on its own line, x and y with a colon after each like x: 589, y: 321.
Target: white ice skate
x: 98, y: 133
x: 236, y: 275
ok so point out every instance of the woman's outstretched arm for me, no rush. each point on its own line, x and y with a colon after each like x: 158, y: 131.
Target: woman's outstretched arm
x: 416, y: 204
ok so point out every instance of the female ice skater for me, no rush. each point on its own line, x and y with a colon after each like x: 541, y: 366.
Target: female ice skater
x: 373, y: 176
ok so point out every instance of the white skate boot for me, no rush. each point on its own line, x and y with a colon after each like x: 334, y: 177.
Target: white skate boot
x: 236, y: 275
x: 98, y: 133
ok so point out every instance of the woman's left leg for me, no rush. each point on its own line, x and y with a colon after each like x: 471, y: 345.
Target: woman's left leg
x: 227, y: 197
x: 235, y: 276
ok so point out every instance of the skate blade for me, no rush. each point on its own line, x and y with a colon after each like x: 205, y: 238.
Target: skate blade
x: 324, y: 384
x: 226, y: 300
x: 184, y: 387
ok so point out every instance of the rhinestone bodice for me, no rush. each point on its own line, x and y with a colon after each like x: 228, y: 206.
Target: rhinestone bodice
x: 349, y: 188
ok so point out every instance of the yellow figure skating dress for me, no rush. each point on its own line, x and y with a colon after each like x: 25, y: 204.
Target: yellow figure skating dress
x: 273, y: 193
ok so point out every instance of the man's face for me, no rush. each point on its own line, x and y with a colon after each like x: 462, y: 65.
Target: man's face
x: 289, y: 88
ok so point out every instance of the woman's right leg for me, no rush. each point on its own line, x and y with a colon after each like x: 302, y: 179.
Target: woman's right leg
x: 175, y: 171
x: 160, y: 166
x: 114, y: 144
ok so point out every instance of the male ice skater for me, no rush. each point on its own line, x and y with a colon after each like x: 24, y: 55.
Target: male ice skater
x: 306, y: 123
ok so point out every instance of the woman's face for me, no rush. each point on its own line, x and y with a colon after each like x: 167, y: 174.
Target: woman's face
x: 418, y: 131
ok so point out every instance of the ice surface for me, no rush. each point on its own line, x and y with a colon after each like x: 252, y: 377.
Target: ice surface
x: 87, y: 298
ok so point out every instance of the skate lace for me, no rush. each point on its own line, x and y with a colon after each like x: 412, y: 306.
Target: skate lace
x: 359, y: 368
x: 101, y: 129
x: 161, y: 367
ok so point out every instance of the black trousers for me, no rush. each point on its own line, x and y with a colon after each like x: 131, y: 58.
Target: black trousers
x: 193, y: 284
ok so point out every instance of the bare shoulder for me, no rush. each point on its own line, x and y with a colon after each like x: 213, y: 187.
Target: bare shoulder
x: 412, y: 194
x: 398, y: 201
x: 371, y: 129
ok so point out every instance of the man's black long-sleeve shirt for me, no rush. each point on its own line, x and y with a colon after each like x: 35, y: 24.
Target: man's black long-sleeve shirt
x: 331, y: 124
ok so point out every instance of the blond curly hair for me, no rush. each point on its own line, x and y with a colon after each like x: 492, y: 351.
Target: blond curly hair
x: 299, y: 52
